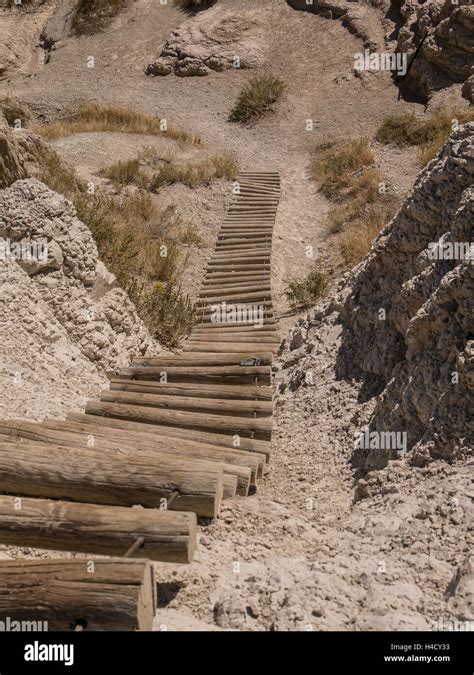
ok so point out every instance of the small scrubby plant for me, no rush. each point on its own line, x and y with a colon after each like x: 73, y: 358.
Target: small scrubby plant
x: 302, y: 293
x: 257, y: 98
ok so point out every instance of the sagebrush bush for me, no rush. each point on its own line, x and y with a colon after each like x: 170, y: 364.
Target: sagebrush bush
x: 171, y: 314
x: 191, y: 237
x: 256, y: 98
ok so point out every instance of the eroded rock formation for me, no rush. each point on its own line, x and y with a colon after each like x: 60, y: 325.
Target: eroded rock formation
x: 407, y: 318
x: 447, y: 53
x: 98, y: 316
x: 216, y: 40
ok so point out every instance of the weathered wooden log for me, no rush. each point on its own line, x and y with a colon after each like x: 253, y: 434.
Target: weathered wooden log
x: 241, y: 336
x: 244, y: 212
x: 105, y: 595
x: 169, y: 536
x: 246, y: 288
x: 231, y: 265
x: 245, y: 231
x: 264, y: 254
x: 224, y: 440
x: 263, y: 226
x: 228, y: 391
x: 236, y: 327
x: 257, y: 297
x: 211, y: 359
x: 240, y: 463
x: 245, y: 307
x: 229, y: 245
x: 42, y: 470
x: 214, y: 280
x: 253, y: 348
x: 209, y: 374
x: 209, y: 318
x: 214, y: 405
x: 133, y: 446
x: 255, y: 428
x: 245, y: 240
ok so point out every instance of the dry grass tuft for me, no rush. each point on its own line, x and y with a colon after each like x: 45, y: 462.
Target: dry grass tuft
x: 429, y: 133
x: 124, y: 173
x: 345, y: 172
x: 93, y: 117
x: 130, y: 172
x: 219, y: 166
x: 257, y: 98
x: 355, y: 243
x: 338, y: 165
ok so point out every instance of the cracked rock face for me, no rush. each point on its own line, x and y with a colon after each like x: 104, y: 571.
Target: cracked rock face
x: 407, y: 317
x: 97, y: 315
x: 447, y: 54
x: 19, y: 151
x: 216, y: 40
